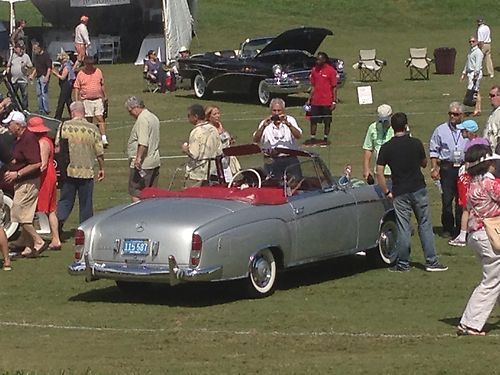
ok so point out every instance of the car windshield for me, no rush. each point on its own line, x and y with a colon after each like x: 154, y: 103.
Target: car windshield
x: 308, y: 175
x: 251, y: 47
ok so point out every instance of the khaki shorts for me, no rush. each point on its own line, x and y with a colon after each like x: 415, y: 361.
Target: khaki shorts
x: 25, y: 201
x: 93, y: 107
x: 2, y: 212
x: 136, y: 183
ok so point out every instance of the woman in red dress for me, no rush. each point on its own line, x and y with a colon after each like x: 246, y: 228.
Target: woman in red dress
x: 47, y: 194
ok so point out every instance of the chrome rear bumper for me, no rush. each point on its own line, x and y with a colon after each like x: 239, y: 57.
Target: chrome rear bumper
x: 171, y: 274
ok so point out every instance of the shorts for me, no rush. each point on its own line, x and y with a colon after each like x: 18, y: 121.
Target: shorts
x: 2, y: 212
x: 474, y: 85
x: 93, y: 107
x: 463, y: 184
x: 136, y: 183
x: 81, y: 51
x: 25, y: 201
x: 321, y: 113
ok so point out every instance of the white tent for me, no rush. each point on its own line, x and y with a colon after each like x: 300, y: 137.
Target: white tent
x: 12, y: 18
x: 178, y: 27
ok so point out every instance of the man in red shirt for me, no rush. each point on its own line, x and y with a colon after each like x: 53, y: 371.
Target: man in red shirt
x: 89, y: 88
x: 322, y: 97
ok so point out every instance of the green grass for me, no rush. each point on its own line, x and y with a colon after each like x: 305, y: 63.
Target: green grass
x: 338, y: 317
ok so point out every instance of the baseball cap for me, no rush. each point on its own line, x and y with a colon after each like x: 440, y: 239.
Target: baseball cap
x: 384, y: 112
x: 36, y: 125
x: 14, y: 116
x: 183, y: 49
x: 469, y: 125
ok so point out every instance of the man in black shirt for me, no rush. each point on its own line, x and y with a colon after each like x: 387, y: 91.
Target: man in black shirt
x: 5, y: 157
x: 405, y: 156
x: 43, y: 68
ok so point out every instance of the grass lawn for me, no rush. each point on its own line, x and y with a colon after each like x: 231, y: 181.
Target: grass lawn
x: 337, y: 317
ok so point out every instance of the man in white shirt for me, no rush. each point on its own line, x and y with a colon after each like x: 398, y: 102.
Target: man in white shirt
x: 492, y: 129
x: 18, y: 66
x: 484, y: 39
x: 473, y: 70
x: 278, y: 130
x: 82, y: 40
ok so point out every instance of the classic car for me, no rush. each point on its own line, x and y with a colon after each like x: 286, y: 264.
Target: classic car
x: 266, y: 67
x: 41, y: 220
x: 249, y: 228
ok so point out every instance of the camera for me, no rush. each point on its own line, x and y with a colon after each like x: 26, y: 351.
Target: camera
x: 275, y: 118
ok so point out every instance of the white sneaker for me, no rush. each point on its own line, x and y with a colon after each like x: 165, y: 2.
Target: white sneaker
x: 105, y: 142
x: 457, y: 242
x: 492, y: 76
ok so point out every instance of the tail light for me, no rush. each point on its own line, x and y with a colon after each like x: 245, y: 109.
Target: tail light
x: 79, y: 241
x: 196, y: 245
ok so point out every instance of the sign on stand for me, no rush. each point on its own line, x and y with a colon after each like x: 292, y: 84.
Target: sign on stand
x: 365, y: 95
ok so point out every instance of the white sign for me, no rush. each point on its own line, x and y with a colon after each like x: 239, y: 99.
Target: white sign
x: 97, y: 3
x: 365, y: 95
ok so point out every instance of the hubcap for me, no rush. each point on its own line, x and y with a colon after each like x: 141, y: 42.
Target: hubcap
x: 387, y: 244
x: 261, y: 272
x: 199, y: 86
x: 263, y: 93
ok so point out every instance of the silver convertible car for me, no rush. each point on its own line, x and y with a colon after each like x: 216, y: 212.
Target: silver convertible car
x: 250, y: 228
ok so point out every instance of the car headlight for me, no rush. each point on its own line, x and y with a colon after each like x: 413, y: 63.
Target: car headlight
x: 277, y: 70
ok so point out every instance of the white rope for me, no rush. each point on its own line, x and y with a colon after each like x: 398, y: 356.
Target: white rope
x: 330, y: 333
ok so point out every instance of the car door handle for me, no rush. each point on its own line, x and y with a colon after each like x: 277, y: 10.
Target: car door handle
x: 298, y: 210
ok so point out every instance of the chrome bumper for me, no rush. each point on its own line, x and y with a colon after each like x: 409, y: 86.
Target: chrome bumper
x: 275, y: 86
x: 171, y: 274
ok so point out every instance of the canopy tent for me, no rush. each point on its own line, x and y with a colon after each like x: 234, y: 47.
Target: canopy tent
x: 178, y: 28
x: 12, y: 20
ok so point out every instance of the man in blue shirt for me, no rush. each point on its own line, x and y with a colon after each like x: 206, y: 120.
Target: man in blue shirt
x: 446, y: 149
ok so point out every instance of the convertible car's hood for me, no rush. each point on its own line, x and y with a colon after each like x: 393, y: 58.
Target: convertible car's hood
x: 303, y: 39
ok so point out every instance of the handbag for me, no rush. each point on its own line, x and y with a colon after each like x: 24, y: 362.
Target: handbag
x: 470, y: 98
x: 61, y: 159
x: 492, y: 228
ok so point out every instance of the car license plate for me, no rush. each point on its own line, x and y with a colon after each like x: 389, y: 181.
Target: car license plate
x: 135, y: 247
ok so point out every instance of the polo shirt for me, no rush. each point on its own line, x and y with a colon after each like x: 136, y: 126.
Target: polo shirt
x: 146, y: 132
x: 376, y: 136
x: 26, y: 151
x: 89, y: 84
x: 323, y: 79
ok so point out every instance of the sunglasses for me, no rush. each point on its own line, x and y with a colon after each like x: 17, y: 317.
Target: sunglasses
x: 492, y: 95
x: 454, y: 113
x: 472, y: 41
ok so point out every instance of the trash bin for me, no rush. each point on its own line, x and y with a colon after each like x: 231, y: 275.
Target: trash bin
x: 444, y: 58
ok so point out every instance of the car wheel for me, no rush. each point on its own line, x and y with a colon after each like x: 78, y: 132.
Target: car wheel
x: 263, y: 93
x: 132, y: 288
x: 262, y: 274
x: 200, y: 87
x: 9, y: 226
x: 385, y: 253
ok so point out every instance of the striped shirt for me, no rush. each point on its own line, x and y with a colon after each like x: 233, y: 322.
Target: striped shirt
x: 90, y: 84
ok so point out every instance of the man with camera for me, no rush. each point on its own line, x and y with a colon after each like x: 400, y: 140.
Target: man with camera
x: 278, y: 130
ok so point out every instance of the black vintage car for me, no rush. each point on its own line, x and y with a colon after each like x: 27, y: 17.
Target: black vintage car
x: 267, y: 67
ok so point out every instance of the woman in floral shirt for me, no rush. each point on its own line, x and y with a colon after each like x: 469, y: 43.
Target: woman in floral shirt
x: 483, y: 201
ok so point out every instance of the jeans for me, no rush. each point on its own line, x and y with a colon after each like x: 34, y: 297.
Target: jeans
x: 42, y: 94
x: 404, y: 204
x: 449, y: 177
x: 22, y: 87
x: 64, y: 98
x: 84, y: 187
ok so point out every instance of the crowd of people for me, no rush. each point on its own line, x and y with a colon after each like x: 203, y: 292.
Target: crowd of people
x: 463, y: 164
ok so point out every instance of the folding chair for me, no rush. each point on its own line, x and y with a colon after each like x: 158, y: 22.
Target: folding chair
x: 370, y: 68
x: 418, y: 63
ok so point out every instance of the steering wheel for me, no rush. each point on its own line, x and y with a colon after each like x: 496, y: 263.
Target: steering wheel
x: 259, y: 179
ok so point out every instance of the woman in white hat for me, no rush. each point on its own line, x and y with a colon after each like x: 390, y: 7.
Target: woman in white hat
x: 483, y: 201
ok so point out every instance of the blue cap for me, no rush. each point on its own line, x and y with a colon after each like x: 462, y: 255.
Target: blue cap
x: 469, y: 125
